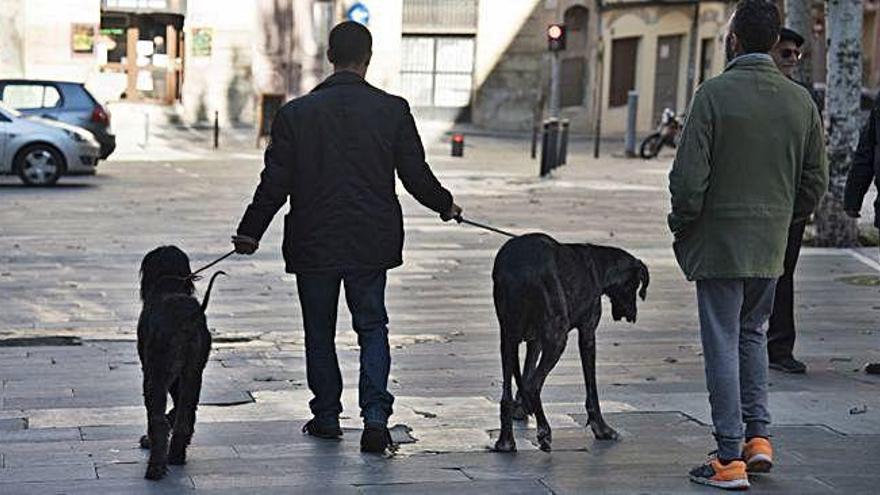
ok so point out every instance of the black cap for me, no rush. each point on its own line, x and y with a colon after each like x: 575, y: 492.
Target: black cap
x: 787, y: 34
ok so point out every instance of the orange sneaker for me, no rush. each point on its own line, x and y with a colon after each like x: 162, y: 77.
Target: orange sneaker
x: 730, y: 476
x: 758, y: 454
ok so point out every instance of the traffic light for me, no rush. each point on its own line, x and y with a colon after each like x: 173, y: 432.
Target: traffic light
x: 556, y: 37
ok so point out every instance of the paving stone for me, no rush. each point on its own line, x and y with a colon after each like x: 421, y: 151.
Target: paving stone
x: 84, y: 408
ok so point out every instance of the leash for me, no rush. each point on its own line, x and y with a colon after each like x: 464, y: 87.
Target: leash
x: 209, y: 265
x: 461, y: 219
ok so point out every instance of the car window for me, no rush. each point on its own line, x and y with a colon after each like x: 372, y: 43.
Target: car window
x: 76, y: 96
x: 30, y: 96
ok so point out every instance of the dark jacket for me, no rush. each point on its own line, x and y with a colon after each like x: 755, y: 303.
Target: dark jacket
x: 334, y: 153
x: 865, y: 167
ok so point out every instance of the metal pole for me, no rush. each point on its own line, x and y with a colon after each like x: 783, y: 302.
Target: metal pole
x: 692, y: 53
x: 599, y: 103
x: 632, y: 109
x: 554, y: 85
x: 563, y: 143
x: 535, y: 133
x: 146, y: 128
x: 216, y: 129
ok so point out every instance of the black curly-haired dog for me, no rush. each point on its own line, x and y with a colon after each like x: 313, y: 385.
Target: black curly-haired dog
x: 173, y: 346
x: 543, y: 289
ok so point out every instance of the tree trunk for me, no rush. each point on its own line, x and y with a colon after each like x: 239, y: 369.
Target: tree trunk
x: 842, y: 99
x: 799, y: 17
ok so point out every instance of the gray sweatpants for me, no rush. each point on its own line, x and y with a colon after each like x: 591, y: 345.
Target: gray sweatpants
x: 733, y: 317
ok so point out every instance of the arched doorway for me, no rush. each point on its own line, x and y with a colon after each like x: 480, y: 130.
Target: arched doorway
x: 573, y: 70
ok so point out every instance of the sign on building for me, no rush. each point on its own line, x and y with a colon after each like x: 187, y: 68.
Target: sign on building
x: 202, y: 40
x: 82, y: 38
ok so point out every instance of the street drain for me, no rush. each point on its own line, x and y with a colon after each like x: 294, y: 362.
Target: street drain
x: 52, y: 341
x: 861, y: 280
x: 231, y: 340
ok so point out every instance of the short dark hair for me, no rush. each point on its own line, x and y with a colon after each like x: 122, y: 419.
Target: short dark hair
x: 350, y: 44
x: 756, y: 24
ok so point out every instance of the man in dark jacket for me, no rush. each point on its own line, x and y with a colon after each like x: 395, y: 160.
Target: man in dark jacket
x: 334, y: 153
x: 865, y: 169
x: 781, y: 331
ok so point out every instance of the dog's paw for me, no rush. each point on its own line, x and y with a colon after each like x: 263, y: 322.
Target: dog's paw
x: 545, y: 438
x: 145, y: 442
x: 156, y: 471
x: 504, y: 445
x: 605, y: 432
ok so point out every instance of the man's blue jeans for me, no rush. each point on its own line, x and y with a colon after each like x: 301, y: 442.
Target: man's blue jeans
x: 365, y: 295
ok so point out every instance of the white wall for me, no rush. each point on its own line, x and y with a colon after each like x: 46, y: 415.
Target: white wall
x: 48, y: 53
x: 212, y: 83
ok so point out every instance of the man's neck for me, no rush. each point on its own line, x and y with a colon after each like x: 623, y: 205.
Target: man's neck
x: 350, y: 70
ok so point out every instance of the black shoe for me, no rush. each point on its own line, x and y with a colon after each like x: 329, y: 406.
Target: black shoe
x: 376, y: 438
x: 330, y: 431
x: 788, y: 365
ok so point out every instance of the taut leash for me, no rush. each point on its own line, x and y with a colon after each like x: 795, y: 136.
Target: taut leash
x: 461, y: 219
x: 209, y: 265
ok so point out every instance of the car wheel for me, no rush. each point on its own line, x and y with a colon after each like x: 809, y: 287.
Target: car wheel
x: 39, y: 165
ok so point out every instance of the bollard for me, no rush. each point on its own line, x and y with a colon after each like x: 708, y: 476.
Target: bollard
x: 146, y: 128
x: 632, y: 110
x: 216, y: 130
x: 535, y: 132
x: 457, y: 145
x: 549, y: 146
x: 563, y: 144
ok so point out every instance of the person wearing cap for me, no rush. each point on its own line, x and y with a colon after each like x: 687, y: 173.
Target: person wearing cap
x: 781, y: 331
x: 787, y: 55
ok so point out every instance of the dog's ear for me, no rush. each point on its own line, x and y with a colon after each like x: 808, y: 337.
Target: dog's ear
x: 644, y: 279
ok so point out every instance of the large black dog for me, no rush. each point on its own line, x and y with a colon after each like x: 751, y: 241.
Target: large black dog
x: 173, y: 346
x: 542, y: 290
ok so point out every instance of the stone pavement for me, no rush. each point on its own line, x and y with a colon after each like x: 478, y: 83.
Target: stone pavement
x: 70, y: 415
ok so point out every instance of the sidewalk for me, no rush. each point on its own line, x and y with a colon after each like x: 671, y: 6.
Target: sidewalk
x: 70, y: 416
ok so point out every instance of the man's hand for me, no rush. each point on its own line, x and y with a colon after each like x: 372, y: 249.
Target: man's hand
x: 245, y: 245
x: 454, y: 211
x: 853, y: 213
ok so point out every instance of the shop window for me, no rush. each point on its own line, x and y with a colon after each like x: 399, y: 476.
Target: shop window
x: 437, y: 71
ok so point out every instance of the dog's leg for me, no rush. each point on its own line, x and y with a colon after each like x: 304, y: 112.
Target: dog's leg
x: 550, y: 354
x: 155, y: 400
x: 587, y: 347
x: 521, y: 410
x: 145, y: 440
x: 184, y: 424
x: 509, y: 359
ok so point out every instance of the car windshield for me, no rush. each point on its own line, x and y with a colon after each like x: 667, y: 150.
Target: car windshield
x: 9, y: 110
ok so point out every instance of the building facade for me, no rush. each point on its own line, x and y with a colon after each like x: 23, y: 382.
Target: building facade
x: 481, y: 61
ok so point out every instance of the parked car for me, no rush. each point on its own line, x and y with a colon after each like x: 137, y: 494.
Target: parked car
x: 67, y: 102
x: 41, y: 150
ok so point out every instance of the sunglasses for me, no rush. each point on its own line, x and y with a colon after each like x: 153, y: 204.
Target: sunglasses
x: 790, y: 53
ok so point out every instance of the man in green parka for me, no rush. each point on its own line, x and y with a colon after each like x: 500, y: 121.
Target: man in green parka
x: 751, y: 160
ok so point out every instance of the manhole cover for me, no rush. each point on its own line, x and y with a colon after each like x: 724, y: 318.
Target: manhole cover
x: 40, y: 341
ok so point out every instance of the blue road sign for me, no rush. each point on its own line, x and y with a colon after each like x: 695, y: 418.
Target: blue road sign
x: 359, y: 13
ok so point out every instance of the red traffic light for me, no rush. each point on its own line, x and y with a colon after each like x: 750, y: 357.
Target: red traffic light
x: 556, y: 37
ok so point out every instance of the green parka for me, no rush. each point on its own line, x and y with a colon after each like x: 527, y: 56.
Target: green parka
x: 751, y: 160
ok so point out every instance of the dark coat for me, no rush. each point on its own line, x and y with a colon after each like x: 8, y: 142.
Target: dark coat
x: 334, y: 153
x: 865, y: 167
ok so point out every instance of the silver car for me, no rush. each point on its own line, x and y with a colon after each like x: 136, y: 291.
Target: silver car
x: 40, y: 150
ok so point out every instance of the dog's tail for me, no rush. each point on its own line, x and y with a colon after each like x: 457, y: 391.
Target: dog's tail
x: 210, y: 286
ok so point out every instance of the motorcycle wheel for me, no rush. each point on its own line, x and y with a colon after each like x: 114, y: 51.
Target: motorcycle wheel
x: 651, y: 146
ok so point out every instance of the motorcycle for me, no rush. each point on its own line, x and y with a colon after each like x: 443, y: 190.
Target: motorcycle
x: 665, y: 135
